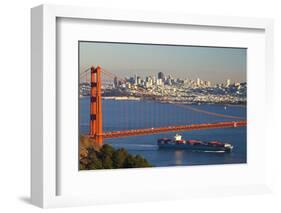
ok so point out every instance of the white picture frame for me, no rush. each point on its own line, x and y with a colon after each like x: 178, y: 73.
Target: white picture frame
x: 45, y: 178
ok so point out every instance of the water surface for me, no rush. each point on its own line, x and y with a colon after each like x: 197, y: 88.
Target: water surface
x: 124, y: 115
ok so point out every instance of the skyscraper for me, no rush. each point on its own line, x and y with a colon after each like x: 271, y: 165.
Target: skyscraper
x: 198, y: 82
x: 161, y: 76
x: 115, y: 82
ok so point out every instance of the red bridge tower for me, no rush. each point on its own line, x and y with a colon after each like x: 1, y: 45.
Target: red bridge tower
x: 96, y: 105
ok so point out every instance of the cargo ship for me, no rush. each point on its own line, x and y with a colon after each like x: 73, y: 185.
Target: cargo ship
x: 194, y: 145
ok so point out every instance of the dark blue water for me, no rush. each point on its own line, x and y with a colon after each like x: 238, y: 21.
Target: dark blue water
x: 124, y: 115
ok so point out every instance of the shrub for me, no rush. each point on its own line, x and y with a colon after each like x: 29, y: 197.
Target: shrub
x: 109, y: 158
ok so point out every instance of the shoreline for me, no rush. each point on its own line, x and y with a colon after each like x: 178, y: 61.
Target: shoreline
x: 129, y: 98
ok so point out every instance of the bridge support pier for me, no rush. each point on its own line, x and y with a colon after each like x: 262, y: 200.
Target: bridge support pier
x: 96, y: 106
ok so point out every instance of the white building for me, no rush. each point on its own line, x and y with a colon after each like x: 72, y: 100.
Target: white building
x: 228, y: 82
x: 159, y: 82
x: 198, y: 82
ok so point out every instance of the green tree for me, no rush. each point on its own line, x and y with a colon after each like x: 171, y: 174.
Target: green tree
x: 94, y: 161
x: 141, y: 162
x: 129, y: 162
x: 109, y: 158
x: 107, y: 150
x: 107, y: 162
x: 82, y: 166
x: 119, y: 157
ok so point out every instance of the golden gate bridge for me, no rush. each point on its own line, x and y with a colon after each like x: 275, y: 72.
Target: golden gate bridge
x: 97, y: 133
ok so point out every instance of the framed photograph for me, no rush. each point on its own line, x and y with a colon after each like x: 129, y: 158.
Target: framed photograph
x: 130, y: 106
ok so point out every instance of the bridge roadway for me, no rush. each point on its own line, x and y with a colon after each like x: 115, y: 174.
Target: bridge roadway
x: 148, y: 131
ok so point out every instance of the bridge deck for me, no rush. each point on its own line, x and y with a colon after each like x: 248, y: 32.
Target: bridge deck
x: 148, y: 131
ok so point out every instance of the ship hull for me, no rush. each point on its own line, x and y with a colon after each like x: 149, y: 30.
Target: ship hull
x: 194, y: 147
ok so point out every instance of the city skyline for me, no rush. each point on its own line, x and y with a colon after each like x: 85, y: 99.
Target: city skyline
x: 215, y: 64
x: 165, y: 77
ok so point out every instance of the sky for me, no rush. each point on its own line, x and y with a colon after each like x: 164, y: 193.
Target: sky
x: 215, y: 64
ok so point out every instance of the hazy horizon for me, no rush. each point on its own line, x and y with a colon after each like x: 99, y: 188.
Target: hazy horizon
x: 215, y: 64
